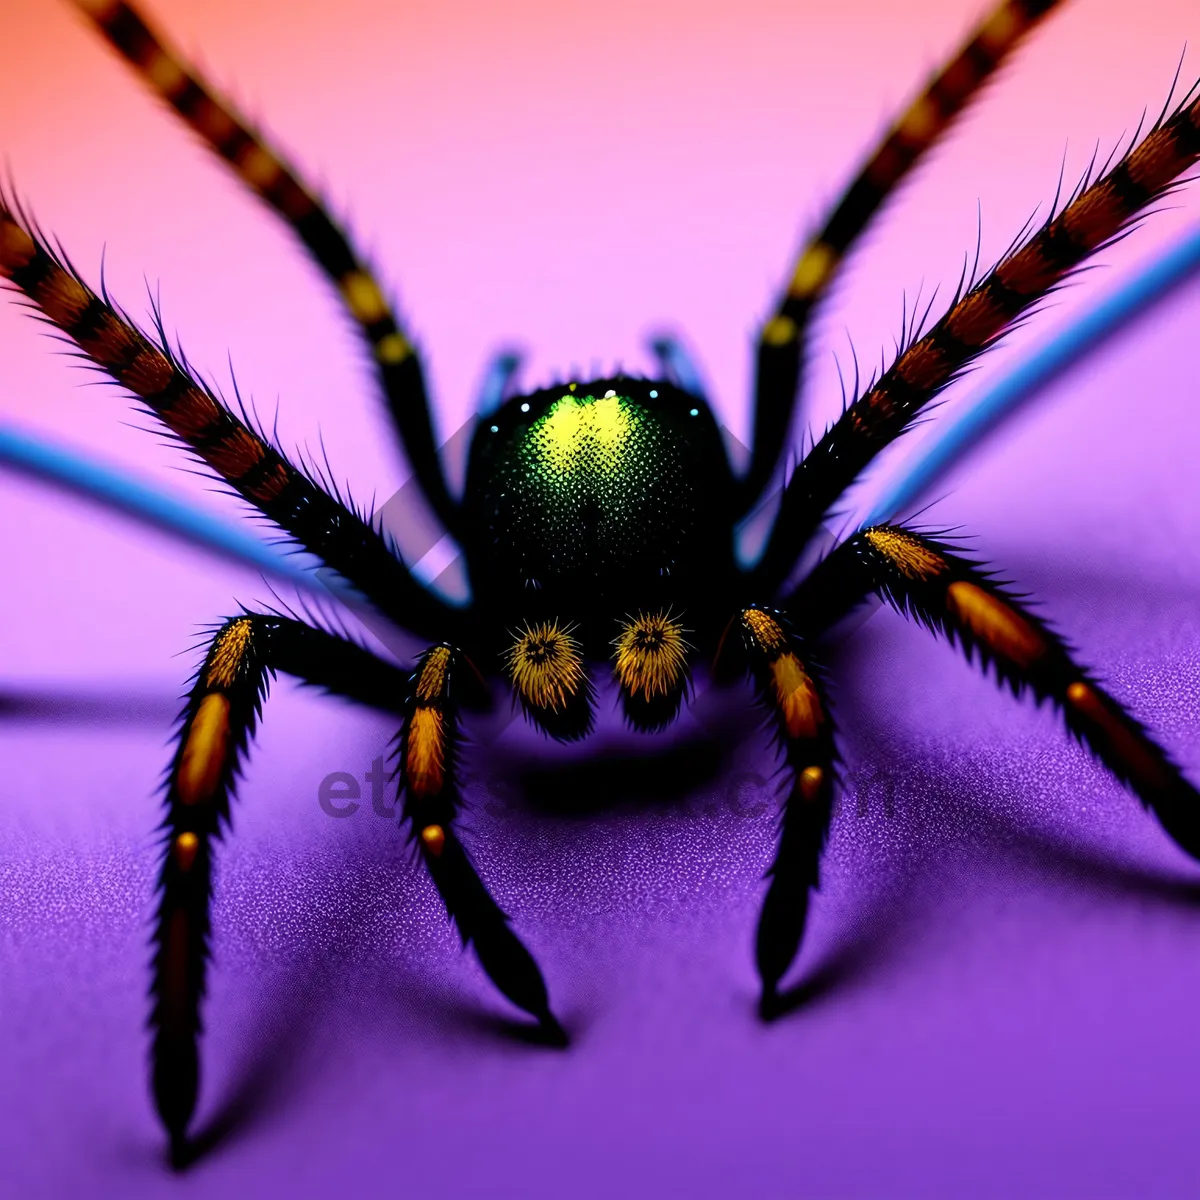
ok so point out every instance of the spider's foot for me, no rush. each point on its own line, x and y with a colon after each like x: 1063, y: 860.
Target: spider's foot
x: 180, y: 1151
x: 780, y: 930
x: 770, y: 1004
x: 502, y: 955
x: 176, y: 1084
x: 551, y: 1032
x: 515, y: 972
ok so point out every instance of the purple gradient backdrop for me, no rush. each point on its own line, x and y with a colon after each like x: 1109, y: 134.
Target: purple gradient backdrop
x: 1006, y: 964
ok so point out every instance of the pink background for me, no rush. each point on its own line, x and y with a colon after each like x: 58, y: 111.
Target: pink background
x: 573, y: 176
x: 565, y: 175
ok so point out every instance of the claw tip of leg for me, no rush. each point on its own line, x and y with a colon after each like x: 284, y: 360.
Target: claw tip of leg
x: 179, y: 1150
x: 768, y: 1004
x: 553, y: 1032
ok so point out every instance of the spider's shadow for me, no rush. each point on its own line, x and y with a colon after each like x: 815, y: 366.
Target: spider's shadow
x: 268, y: 1077
x: 88, y: 706
x: 625, y: 771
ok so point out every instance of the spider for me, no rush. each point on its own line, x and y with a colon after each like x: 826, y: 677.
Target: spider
x: 597, y: 522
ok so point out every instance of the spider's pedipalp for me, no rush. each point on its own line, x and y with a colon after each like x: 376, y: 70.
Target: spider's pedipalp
x: 546, y: 667
x: 275, y: 181
x: 1095, y: 217
x: 782, y: 339
x: 923, y: 579
x: 650, y: 664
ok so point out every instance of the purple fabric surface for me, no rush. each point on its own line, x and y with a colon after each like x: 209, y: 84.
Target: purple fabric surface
x: 1002, y: 970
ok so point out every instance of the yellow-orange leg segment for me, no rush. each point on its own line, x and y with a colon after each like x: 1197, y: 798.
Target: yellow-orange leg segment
x: 789, y: 689
x: 781, y: 340
x: 265, y: 172
x: 443, y: 680
x: 924, y: 579
x: 217, y: 724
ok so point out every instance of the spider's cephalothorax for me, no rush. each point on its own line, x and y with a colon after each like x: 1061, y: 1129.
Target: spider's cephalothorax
x: 597, y: 522
x: 595, y: 500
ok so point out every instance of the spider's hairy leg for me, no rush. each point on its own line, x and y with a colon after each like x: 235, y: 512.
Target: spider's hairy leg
x: 1029, y: 272
x: 546, y: 668
x: 651, y: 668
x: 444, y: 677
x: 194, y: 414
x: 781, y: 342
x: 222, y: 128
x: 924, y: 579
x: 217, y: 723
x: 762, y: 640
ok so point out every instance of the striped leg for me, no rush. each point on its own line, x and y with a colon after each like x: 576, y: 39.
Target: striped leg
x: 953, y: 596
x: 217, y: 724
x: 195, y: 415
x: 443, y: 681
x: 1031, y: 270
x: 789, y: 689
x: 782, y: 339
x: 276, y: 183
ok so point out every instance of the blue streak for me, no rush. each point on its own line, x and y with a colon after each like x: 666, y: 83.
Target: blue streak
x: 677, y: 364
x: 981, y: 415
x: 33, y: 455
x: 498, y: 376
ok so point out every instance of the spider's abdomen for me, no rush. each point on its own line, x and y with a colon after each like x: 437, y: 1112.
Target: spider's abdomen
x: 594, y: 499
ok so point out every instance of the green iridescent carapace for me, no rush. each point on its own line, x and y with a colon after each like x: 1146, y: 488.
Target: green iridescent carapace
x: 597, y: 494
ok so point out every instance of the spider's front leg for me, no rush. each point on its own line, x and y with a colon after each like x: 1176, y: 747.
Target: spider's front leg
x: 444, y: 679
x: 924, y: 579
x: 791, y: 691
x: 218, y: 722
